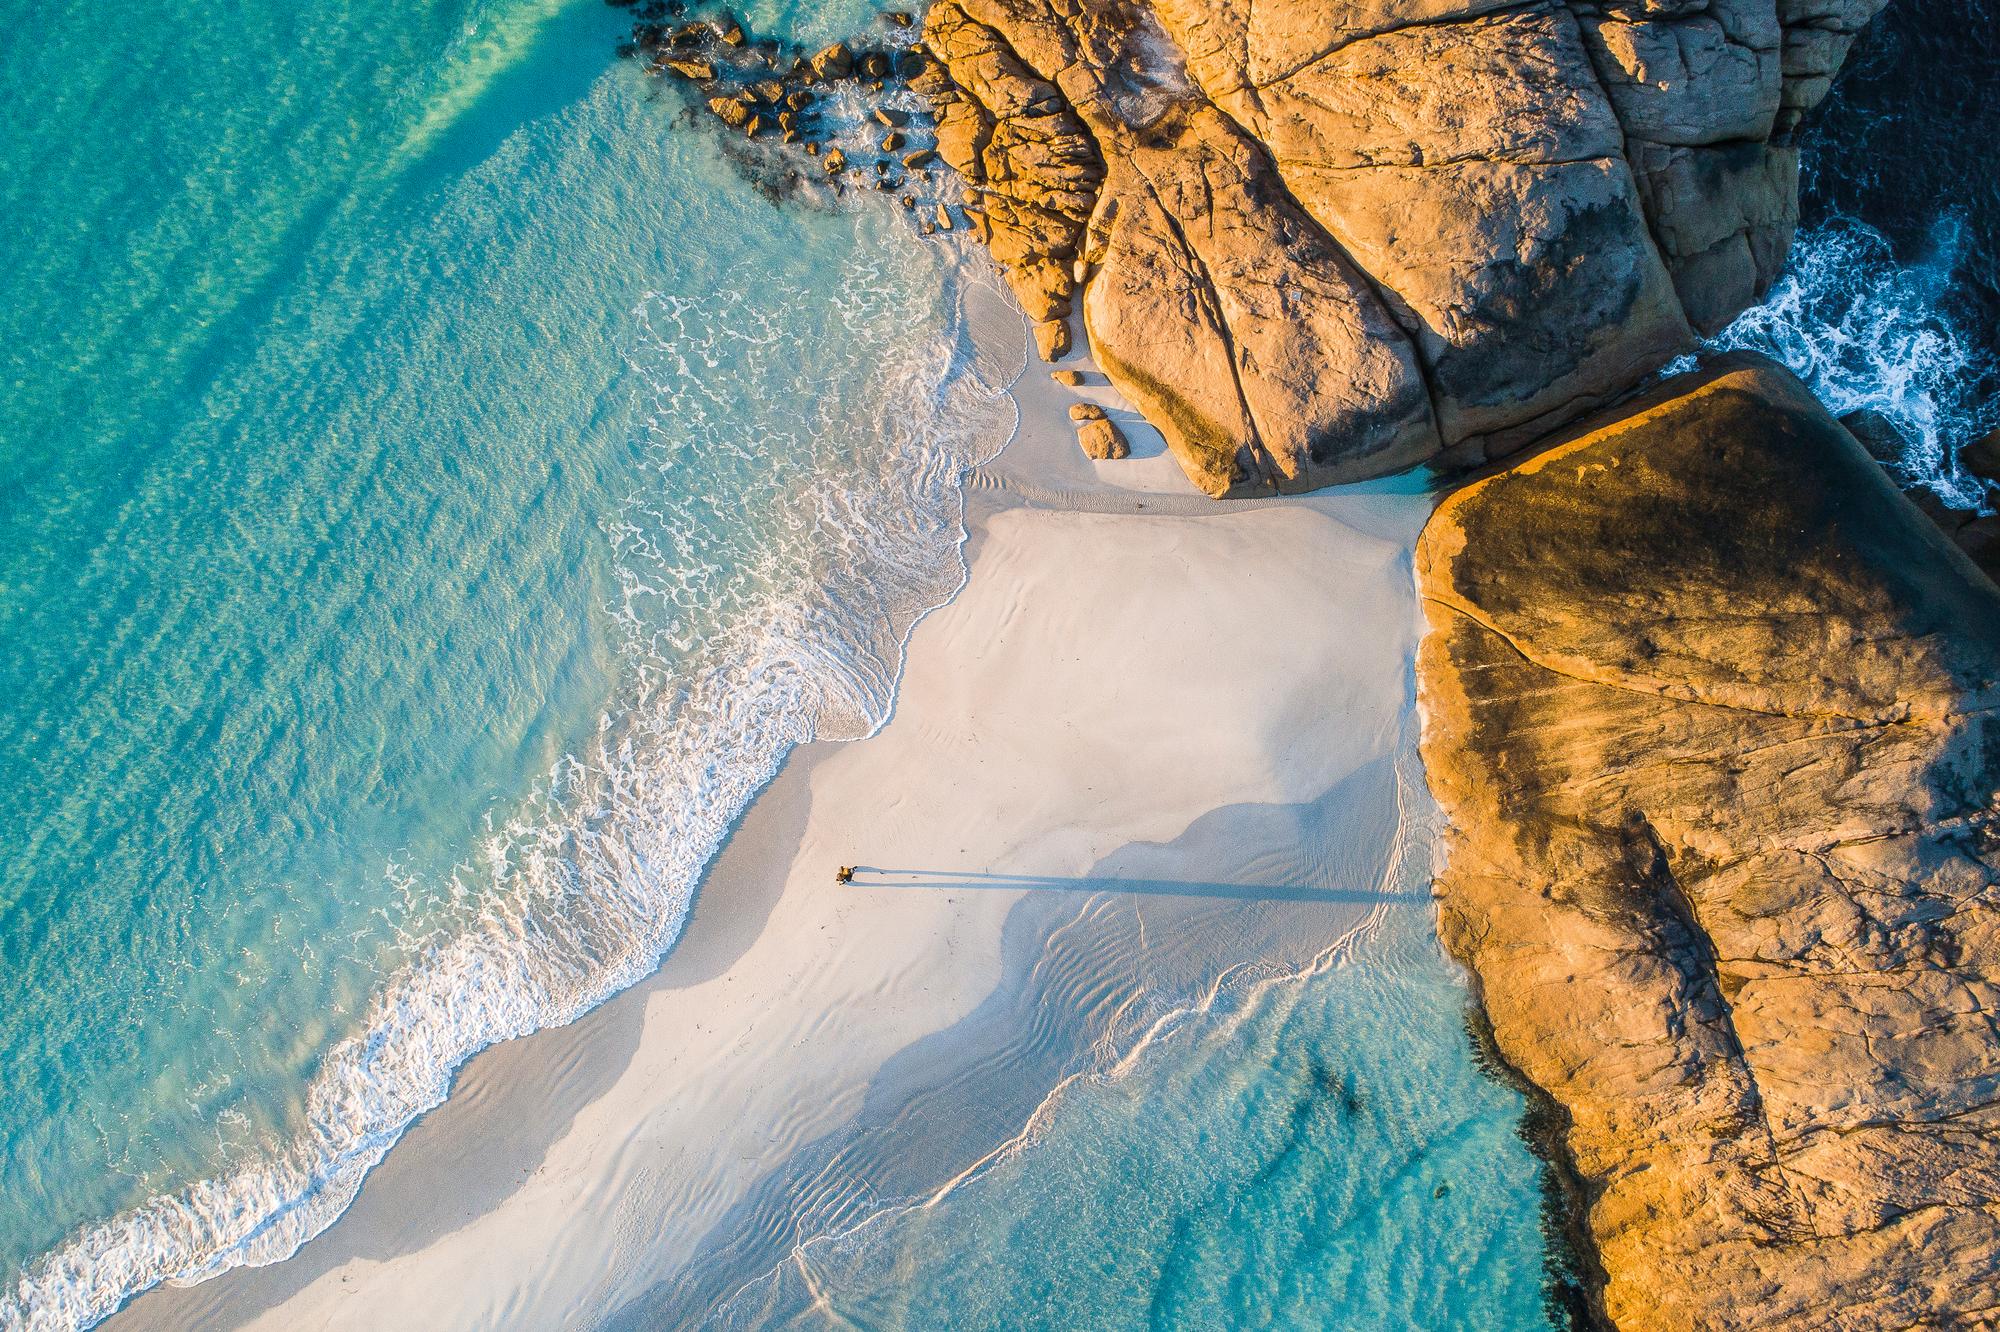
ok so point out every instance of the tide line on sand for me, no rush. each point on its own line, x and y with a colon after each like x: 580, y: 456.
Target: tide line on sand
x: 1125, y: 660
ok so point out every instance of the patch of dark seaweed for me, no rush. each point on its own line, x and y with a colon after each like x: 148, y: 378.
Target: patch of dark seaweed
x: 1573, y: 1279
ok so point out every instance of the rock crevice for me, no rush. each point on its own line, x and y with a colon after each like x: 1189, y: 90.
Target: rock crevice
x: 1751, y: 953
x: 1476, y: 220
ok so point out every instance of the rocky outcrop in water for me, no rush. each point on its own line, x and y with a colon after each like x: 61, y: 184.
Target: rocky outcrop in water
x: 1319, y: 241
x: 1711, y: 712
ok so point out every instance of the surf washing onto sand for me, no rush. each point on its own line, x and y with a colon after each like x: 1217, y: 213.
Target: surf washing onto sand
x: 443, y: 491
x: 1295, y: 1133
x: 653, y: 509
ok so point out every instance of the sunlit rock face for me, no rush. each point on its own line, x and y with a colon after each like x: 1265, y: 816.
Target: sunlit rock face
x: 1322, y: 241
x: 1709, y: 710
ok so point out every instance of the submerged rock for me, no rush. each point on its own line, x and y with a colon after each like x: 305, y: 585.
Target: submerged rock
x: 1878, y: 434
x: 1982, y: 457
x: 1710, y: 710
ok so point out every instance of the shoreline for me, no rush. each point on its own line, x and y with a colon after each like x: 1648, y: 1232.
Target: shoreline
x: 569, y: 1123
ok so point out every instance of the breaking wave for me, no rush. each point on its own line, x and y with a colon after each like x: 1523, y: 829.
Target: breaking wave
x: 1867, y: 332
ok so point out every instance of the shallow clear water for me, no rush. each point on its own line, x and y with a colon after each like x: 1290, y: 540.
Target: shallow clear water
x: 438, y: 491
x: 1317, y: 1151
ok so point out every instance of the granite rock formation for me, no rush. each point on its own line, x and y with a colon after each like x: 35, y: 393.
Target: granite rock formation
x: 1319, y: 240
x: 1711, y: 711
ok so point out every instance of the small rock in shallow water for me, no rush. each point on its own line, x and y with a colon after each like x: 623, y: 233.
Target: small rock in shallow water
x: 835, y: 62
x: 918, y: 159
x: 898, y: 18
x: 943, y: 218
x: 701, y: 71
x: 836, y: 162
x: 891, y: 141
x: 1982, y: 457
x: 732, y: 112
x: 908, y: 202
x: 1102, y: 441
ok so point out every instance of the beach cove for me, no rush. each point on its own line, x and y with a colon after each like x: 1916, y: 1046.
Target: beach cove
x: 1133, y: 664
x: 1113, y: 825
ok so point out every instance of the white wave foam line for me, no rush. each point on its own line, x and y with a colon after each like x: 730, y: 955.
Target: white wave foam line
x: 594, y: 883
x: 1866, y: 332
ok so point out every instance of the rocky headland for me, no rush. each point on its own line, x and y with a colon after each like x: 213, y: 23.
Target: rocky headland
x: 1710, y: 709
x: 1707, y: 700
x: 1320, y: 242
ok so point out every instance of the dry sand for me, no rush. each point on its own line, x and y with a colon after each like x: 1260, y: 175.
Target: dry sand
x: 1104, y: 731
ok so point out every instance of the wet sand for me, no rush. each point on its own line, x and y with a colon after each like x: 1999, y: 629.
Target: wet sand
x: 1152, y: 743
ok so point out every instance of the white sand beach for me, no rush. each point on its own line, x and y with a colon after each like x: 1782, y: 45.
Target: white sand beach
x: 1126, y: 660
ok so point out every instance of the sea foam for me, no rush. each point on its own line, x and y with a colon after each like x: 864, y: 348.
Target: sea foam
x: 1866, y: 331
x: 581, y: 894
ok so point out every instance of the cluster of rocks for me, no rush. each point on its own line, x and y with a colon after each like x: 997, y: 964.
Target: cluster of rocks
x: 1975, y: 529
x: 1320, y: 240
x: 788, y: 98
x: 1098, y: 436
x: 1710, y: 711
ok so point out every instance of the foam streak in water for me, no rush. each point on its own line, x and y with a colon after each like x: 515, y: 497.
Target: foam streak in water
x: 582, y: 894
x: 1866, y: 332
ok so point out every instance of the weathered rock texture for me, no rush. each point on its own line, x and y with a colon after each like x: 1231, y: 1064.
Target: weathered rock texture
x: 1711, y: 711
x: 1325, y: 239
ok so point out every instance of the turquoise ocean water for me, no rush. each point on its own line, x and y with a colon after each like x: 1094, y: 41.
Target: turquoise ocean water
x: 435, y: 491
x: 1316, y: 1153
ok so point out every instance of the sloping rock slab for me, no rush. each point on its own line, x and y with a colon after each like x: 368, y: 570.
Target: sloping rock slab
x: 1710, y: 709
